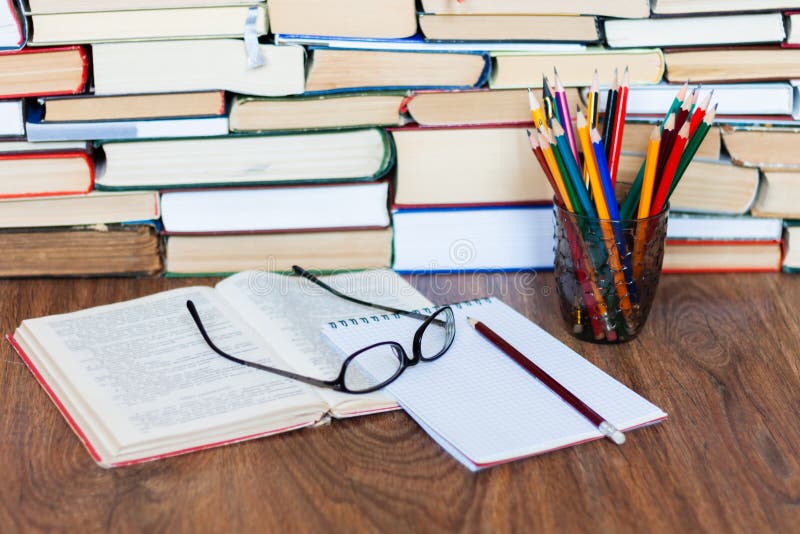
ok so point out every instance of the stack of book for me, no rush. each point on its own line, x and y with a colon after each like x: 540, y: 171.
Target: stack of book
x: 221, y: 135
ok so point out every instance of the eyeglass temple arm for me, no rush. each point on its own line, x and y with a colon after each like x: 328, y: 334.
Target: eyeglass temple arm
x: 288, y: 374
x: 311, y: 278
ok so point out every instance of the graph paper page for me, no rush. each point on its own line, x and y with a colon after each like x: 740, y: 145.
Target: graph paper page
x: 481, y: 402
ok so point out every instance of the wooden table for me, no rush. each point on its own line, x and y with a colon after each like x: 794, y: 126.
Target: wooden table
x: 720, y: 354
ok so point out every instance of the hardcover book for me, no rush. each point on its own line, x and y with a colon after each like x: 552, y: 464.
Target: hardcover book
x: 345, y: 110
x: 520, y: 70
x: 79, y: 210
x: 34, y: 174
x: 467, y: 166
x: 186, y: 22
x: 618, y: 8
x: 12, y: 26
x: 344, y: 18
x: 473, y: 239
x: 196, y: 65
x: 43, y: 71
x: 329, y: 251
x: 342, y: 70
x: 97, y: 250
x: 333, y: 156
x: 696, y: 31
x: 277, y: 209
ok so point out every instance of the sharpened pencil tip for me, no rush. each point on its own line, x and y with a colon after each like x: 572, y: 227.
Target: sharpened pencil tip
x: 472, y: 322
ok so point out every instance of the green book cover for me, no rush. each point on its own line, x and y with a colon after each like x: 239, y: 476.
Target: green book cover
x: 256, y: 172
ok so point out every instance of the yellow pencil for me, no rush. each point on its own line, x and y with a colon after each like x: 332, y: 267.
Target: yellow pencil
x: 651, y: 162
x: 537, y: 113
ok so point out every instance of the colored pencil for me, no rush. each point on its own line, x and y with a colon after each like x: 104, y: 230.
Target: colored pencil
x: 594, y: 100
x: 683, y: 112
x: 590, y: 167
x: 562, y: 169
x: 605, y: 175
x: 692, y: 147
x: 591, y: 293
x: 695, y: 98
x: 611, y: 110
x: 632, y: 198
x: 699, y: 114
x: 665, y: 148
x: 550, y: 110
x: 566, y: 117
x: 649, y: 173
x: 617, y: 253
x: 591, y: 113
x: 619, y: 126
x: 574, y: 174
x: 642, y: 226
x: 606, y: 429
x: 665, y: 182
x: 537, y: 114
x: 537, y: 151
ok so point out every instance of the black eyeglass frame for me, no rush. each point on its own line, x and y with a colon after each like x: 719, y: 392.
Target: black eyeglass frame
x: 338, y: 383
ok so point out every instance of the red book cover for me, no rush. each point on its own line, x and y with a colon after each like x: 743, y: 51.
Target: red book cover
x: 84, y: 59
x: 51, y: 155
x: 786, y: 15
x: 18, y: 22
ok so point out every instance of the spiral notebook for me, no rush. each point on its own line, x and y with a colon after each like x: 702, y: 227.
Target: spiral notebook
x: 483, y: 408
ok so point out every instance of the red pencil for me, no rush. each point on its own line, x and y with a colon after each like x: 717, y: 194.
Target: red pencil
x: 699, y: 114
x: 683, y: 112
x: 665, y: 182
x: 605, y: 428
x: 619, y: 126
x: 667, y: 134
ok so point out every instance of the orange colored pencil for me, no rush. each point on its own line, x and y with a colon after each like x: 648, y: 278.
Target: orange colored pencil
x: 644, y: 204
x: 651, y: 162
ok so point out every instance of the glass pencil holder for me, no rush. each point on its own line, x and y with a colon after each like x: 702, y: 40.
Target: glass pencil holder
x: 607, y: 273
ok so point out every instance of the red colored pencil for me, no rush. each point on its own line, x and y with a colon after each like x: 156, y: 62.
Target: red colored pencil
x: 605, y: 428
x: 619, y: 126
x: 683, y: 112
x: 699, y: 114
x: 665, y: 183
x: 667, y: 134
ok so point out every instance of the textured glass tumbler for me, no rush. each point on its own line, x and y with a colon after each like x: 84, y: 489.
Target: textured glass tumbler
x: 607, y: 273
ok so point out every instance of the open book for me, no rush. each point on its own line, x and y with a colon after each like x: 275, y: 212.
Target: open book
x: 136, y: 381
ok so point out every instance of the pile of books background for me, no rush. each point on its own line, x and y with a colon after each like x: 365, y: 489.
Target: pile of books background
x: 211, y: 136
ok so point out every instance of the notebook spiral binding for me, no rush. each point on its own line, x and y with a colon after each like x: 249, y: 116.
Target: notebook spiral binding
x: 369, y: 319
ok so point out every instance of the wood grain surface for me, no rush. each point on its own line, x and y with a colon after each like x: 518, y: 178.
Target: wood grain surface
x: 720, y: 354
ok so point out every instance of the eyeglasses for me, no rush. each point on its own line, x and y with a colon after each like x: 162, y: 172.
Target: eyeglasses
x: 372, y: 367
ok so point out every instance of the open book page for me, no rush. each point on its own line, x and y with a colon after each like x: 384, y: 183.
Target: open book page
x: 477, y: 401
x: 288, y: 312
x: 139, y: 379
